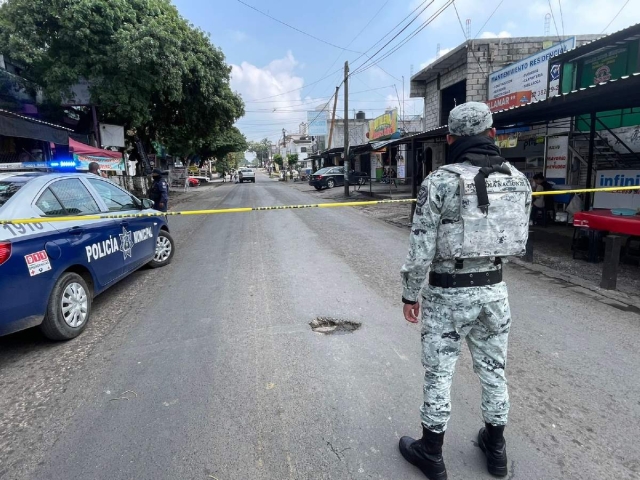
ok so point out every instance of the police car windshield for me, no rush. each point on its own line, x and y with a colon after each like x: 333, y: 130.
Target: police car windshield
x: 9, y: 186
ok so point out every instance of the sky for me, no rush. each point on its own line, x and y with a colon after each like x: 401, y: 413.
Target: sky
x: 281, y: 73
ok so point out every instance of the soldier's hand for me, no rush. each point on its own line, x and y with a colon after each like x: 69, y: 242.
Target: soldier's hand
x: 412, y: 312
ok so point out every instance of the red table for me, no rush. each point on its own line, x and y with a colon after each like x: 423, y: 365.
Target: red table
x: 607, y: 221
x: 603, y: 221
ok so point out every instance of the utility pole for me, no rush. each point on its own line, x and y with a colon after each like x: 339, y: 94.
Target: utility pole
x: 346, y: 129
x: 284, y: 157
x: 333, y: 117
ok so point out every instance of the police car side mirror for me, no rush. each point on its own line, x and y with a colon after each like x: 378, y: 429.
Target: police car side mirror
x: 146, y: 203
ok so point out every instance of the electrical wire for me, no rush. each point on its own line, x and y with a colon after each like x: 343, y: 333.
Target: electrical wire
x: 355, y: 38
x: 296, y: 29
x: 408, y: 38
x: 490, y: 17
x: 464, y: 32
x: 613, y: 19
x: 370, y: 58
x: 554, y: 21
x: 561, y: 17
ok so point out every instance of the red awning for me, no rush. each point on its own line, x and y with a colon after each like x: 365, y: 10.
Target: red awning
x: 87, y: 150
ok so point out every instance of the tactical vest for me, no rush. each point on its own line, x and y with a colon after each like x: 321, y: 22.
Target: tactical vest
x: 494, y: 214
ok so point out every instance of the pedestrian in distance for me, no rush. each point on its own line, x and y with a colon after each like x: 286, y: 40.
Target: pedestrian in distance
x: 543, y: 203
x: 94, y: 168
x: 454, y: 245
x: 159, y: 192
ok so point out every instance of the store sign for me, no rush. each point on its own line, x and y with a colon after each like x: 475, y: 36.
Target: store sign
x: 509, y: 101
x: 528, y: 76
x: 557, y: 158
x: 111, y: 164
x: 383, y: 126
x: 317, y: 122
x: 507, y: 140
x: 617, y: 178
x: 604, y: 67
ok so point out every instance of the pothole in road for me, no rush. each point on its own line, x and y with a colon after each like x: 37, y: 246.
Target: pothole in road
x: 334, y: 326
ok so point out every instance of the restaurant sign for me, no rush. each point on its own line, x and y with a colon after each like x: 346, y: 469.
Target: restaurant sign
x: 384, y: 126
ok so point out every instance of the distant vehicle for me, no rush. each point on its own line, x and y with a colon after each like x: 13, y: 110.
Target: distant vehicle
x: 330, y: 177
x: 194, y: 182
x: 246, y: 175
x: 51, y: 271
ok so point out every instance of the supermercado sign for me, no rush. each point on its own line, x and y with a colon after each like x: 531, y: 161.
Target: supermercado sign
x: 617, y: 178
x: 124, y: 243
x: 526, y: 78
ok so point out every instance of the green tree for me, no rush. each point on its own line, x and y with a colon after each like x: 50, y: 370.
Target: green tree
x: 292, y: 159
x: 223, y: 143
x: 277, y: 158
x: 147, y: 67
x: 261, y: 149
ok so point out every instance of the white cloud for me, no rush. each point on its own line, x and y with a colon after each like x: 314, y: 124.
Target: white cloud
x: 442, y: 53
x: 271, y: 94
x: 502, y: 34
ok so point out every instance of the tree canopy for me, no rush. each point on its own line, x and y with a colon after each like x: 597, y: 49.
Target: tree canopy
x: 262, y: 149
x: 147, y: 67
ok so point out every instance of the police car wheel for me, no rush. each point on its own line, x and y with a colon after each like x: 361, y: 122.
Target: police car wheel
x: 69, y: 308
x: 164, y: 250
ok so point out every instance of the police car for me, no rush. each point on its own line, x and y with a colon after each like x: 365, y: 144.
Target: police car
x: 51, y: 271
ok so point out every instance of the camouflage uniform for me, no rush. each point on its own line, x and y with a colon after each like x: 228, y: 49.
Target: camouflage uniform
x: 480, y: 315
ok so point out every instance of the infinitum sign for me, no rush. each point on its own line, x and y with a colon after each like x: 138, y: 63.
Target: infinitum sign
x: 525, y: 81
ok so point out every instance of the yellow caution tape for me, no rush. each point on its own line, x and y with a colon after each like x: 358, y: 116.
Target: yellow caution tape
x: 279, y: 207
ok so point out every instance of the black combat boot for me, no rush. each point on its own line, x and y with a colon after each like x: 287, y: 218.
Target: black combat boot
x: 492, y: 443
x: 426, y: 453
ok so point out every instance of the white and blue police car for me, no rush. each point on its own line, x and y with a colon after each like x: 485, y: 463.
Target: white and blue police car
x: 51, y: 271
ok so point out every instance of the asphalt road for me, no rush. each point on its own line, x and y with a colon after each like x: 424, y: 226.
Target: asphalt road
x: 208, y: 369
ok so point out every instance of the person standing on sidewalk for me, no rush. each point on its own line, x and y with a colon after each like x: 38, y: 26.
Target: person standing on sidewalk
x: 159, y: 192
x: 469, y: 214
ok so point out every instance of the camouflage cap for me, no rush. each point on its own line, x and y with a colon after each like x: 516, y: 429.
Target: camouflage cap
x: 471, y: 118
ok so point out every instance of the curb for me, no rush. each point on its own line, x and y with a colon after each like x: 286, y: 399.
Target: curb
x: 614, y: 295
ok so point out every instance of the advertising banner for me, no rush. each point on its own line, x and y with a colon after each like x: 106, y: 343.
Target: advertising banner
x: 317, y: 122
x: 557, y: 158
x: 383, y: 126
x: 617, y: 178
x: 526, y: 77
x: 112, y: 164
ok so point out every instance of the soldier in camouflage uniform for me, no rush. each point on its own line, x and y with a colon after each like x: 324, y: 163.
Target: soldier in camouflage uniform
x: 479, y: 314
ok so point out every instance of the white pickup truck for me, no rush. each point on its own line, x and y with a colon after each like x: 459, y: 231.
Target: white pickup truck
x: 246, y: 175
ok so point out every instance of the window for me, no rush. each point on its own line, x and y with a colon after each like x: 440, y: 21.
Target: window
x: 116, y: 199
x: 73, y: 196
x: 303, y: 149
x: 8, y: 189
x: 49, y: 204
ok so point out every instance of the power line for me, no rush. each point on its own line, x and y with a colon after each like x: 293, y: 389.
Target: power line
x: 561, y: 16
x: 490, y: 17
x: 370, y: 58
x: 407, y: 38
x: 355, y: 38
x: 613, y: 19
x: 296, y: 29
x: 464, y: 33
x: 554, y: 21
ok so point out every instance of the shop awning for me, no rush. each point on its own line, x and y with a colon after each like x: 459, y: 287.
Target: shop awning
x: 89, y: 151
x: 14, y: 125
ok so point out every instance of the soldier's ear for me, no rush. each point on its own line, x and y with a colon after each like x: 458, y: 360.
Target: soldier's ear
x: 492, y: 133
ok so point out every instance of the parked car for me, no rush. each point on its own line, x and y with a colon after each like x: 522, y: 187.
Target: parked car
x: 330, y: 177
x: 194, y: 182
x: 51, y: 271
x: 246, y: 175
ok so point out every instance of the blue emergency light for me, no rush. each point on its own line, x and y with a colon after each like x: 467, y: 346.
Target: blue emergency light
x: 58, y: 165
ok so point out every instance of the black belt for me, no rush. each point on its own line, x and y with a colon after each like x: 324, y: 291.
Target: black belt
x: 461, y: 280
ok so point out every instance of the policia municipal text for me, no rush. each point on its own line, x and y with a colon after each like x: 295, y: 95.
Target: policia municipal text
x: 469, y: 214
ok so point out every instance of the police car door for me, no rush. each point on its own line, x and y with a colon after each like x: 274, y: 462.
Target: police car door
x: 93, y: 243
x: 139, y: 234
